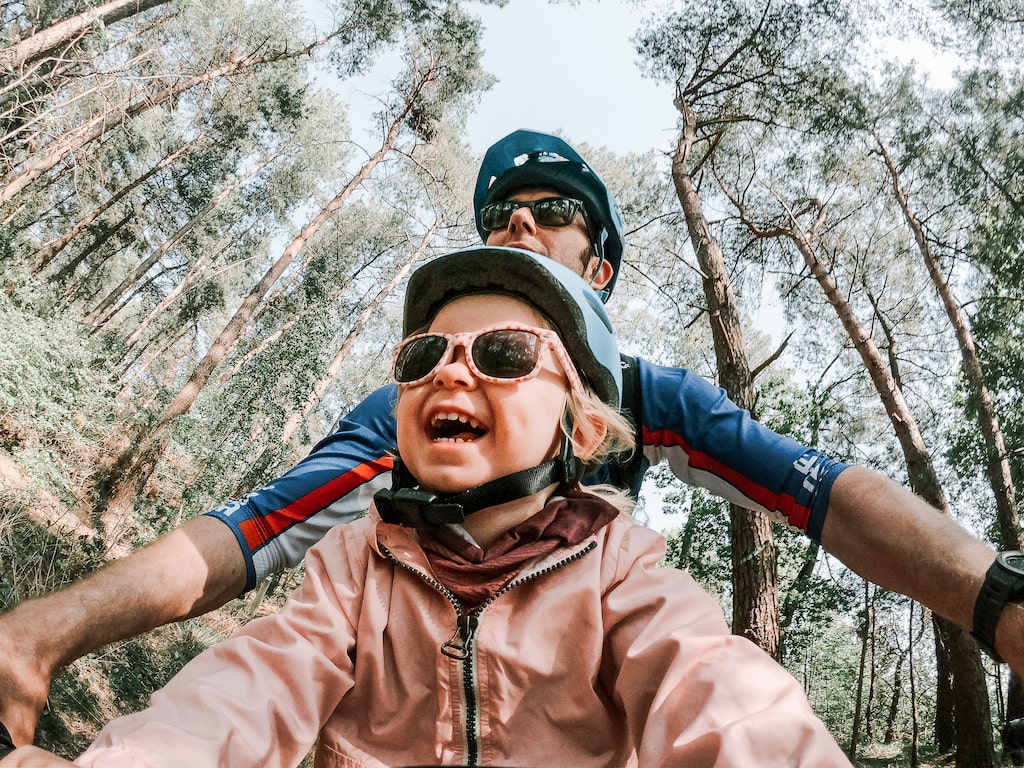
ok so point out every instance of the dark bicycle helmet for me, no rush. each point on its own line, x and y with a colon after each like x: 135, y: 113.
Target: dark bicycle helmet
x: 531, y: 159
x: 558, y: 292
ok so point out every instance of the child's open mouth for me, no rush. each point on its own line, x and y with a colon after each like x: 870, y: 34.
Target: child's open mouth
x: 455, y: 428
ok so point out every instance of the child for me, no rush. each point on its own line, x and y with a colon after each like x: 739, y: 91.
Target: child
x: 489, y: 611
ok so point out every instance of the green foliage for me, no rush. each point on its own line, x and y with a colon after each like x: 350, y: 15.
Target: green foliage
x: 46, y: 559
x: 987, y: 115
x: 991, y: 28
x: 120, y: 679
x: 730, y: 60
x: 442, y: 69
x: 701, y: 546
x: 52, y: 394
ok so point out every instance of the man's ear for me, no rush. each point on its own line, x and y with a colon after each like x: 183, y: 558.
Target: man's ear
x: 585, y: 442
x: 603, y: 275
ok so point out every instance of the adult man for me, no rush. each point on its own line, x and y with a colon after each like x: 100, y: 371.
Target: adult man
x: 536, y: 193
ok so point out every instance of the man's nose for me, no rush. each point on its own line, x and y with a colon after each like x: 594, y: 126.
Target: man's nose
x: 522, y: 218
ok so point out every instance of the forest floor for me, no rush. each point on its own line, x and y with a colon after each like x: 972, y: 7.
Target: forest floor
x: 897, y: 756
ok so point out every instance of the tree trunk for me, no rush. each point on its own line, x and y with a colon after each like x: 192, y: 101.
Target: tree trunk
x: 945, y: 723
x: 119, y: 114
x: 969, y: 692
x: 915, y: 728
x: 50, y: 249
x: 1014, y: 698
x: 997, y: 460
x: 789, y: 603
x: 107, y: 308
x: 755, y: 580
x: 133, y: 368
x: 68, y: 30
x: 132, y: 469
x: 894, y: 704
x: 863, y: 631
x: 101, y: 239
x: 872, y: 663
x: 228, y: 338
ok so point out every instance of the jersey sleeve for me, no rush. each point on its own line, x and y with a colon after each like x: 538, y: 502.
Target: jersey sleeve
x: 277, y: 523
x: 710, y: 442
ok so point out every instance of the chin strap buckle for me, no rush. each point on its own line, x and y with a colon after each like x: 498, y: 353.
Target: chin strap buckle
x: 405, y: 504
x: 414, y: 508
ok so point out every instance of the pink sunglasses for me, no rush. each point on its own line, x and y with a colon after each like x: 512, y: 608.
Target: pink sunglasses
x: 501, y: 354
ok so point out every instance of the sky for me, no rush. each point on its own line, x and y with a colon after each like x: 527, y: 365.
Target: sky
x: 567, y: 67
x: 570, y: 68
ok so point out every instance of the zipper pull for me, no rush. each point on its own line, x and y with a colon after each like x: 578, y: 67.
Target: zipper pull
x: 459, y: 645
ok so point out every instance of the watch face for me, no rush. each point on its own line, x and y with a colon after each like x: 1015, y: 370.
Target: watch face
x: 1013, y: 561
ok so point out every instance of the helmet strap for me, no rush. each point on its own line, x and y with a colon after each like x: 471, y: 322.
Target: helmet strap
x: 598, y: 243
x: 408, y: 505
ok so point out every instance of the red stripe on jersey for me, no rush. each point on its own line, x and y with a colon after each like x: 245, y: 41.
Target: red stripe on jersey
x: 258, y: 531
x: 797, y: 515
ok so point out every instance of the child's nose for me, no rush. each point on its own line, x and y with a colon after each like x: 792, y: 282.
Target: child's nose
x: 456, y: 372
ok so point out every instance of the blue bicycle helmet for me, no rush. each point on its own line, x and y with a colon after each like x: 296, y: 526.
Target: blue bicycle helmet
x: 559, y: 293
x: 531, y: 159
x: 580, y: 320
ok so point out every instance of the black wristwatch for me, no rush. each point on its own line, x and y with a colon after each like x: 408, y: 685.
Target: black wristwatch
x: 1004, y: 583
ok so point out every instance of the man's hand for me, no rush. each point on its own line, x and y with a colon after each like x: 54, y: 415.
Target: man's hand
x: 1010, y: 637
x: 24, y: 684
x: 194, y: 569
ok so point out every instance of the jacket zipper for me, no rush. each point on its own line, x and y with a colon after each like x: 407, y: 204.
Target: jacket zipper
x: 460, y: 645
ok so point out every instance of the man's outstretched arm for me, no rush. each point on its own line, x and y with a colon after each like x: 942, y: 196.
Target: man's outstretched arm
x: 193, y: 569
x: 199, y: 566
x: 893, y: 538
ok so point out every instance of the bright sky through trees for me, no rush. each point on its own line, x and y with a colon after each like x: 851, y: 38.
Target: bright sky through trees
x: 571, y: 68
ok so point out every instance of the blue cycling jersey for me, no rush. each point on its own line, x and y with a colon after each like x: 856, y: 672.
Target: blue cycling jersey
x: 704, y: 437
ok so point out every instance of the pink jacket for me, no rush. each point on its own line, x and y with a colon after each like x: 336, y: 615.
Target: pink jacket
x: 593, y: 656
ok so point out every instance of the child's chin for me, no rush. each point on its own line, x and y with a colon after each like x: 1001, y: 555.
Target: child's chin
x: 448, y: 483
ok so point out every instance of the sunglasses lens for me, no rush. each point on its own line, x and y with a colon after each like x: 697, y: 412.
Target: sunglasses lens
x: 496, y: 215
x: 418, y: 357
x: 552, y: 212
x: 558, y: 212
x: 507, y: 354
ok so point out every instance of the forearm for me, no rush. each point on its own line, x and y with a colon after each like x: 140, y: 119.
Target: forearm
x: 891, y: 537
x: 191, y: 570
x: 194, y: 569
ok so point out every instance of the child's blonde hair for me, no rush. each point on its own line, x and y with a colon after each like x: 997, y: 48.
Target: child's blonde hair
x: 588, y: 413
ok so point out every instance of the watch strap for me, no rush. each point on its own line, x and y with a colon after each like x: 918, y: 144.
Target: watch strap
x: 1001, y: 586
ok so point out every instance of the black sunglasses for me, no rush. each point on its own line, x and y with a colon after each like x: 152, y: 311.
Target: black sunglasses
x: 549, y: 212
